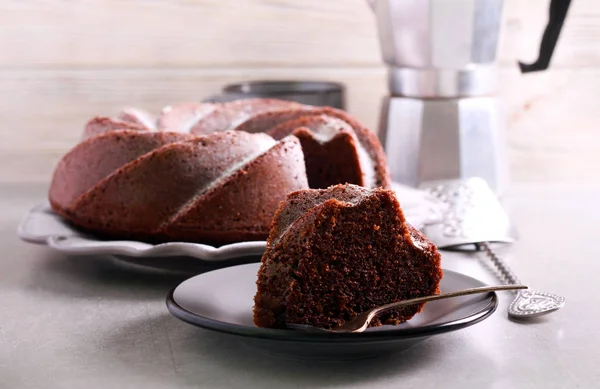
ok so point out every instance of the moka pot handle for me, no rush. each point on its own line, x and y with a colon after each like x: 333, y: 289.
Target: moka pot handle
x: 557, y: 14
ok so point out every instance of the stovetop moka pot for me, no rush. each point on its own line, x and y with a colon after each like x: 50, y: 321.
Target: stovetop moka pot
x: 441, y: 119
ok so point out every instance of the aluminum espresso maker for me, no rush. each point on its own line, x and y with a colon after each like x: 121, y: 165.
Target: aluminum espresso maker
x: 441, y: 119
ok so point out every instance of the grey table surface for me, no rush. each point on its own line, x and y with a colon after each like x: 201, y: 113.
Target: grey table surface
x: 74, y: 322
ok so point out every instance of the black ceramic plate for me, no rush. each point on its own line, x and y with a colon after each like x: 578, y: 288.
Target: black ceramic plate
x: 222, y: 300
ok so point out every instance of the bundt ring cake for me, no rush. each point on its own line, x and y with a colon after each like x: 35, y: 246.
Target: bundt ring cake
x: 208, y: 173
x: 335, y: 253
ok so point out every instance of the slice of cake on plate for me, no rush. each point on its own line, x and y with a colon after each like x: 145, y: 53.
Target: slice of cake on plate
x: 335, y: 253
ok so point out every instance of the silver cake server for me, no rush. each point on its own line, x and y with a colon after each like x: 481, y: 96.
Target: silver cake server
x: 474, y: 216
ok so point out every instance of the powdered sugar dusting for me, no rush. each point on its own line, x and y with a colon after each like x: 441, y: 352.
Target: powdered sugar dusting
x: 257, y: 143
x: 183, y: 116
x: 139, y: 116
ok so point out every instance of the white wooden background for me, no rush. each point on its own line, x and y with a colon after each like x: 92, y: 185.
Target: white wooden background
x: 62, y: 62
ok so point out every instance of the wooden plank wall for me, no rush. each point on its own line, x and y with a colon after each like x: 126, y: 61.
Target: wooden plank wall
x: 64, y: 61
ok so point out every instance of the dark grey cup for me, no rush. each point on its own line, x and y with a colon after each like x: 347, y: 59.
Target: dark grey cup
x: 317, y: 93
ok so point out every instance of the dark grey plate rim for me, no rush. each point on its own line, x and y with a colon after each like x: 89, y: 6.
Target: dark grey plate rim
x: 298, y: 336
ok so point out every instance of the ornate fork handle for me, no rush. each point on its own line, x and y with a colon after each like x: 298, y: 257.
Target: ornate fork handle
x: 528, y: 303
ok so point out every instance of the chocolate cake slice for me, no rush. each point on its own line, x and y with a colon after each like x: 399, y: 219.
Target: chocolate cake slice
x: 334, y: 253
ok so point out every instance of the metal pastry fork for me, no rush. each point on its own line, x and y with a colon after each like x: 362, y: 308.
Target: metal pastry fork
x: 361, y: 322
